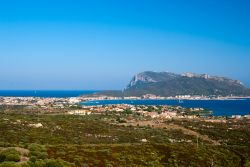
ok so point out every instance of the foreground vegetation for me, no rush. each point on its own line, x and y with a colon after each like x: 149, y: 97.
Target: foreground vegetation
x: 31, y: 140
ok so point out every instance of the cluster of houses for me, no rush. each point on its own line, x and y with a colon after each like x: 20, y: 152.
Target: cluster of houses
x: 167, y: 112
x: 240, y: 117
x: 79, y: 112
x: 40, y: 102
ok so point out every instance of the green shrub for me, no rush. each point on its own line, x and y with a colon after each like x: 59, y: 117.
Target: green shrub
x: 108, y: 165
x: 38, y: 151
x: 24, y: 165
x: 38, y: 163
x: 128, y: 111
x: 36, y: 147
x: 57, y: 163
x: 10, y: 155
x: 49, y: 163
x: 247, y: 164
x: 33, y: 159
x: 8, y: 164
x: 103, y: 152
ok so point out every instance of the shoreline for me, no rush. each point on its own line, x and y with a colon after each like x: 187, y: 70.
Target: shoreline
x: 100, y: 98
x: 219, y: 108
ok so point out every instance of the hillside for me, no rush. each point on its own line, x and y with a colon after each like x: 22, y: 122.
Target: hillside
x: 171, y: 84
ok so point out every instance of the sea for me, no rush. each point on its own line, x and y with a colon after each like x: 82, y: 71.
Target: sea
x: 218, y: 107
x: 45, y: 93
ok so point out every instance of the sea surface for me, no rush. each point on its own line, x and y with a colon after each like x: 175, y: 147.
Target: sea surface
x: 45, y: 93
x: 219, y: 107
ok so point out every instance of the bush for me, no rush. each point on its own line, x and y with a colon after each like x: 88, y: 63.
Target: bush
x: 38, y: 151
x: 24, y: 165
x: 103, y: 152
x: 57, y: 163
x: 49, y: 163
x: 128, y: 111
x: 10, y: 155
x: 247, y: 164
x: 33, y: 159
x: 108, y: 165
x: 36, y: 147
x: 8, y: 164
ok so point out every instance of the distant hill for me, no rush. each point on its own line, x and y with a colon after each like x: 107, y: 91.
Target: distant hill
x: 171, y: 84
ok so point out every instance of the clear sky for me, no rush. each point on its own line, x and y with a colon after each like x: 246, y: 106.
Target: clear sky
x: 101, y: 44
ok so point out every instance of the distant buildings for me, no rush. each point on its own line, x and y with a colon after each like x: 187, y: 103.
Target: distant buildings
x: 236, y: 116
x: 79, y: 112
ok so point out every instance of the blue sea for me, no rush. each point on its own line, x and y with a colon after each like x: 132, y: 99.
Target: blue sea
x: 219, y: 107
x: 45, y: 93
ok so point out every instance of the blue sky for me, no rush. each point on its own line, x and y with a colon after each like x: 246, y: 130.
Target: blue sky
x: 98, y: 44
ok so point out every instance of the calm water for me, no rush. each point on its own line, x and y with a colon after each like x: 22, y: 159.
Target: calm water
x: 219, y: 107
x: 45, y: 93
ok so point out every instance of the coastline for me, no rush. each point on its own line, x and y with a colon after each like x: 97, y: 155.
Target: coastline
x: 221, y: 106
x: 166, y: 98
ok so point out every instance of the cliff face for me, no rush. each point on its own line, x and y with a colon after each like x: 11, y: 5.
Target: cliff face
x: 151, y: 77
x: 170, y: 84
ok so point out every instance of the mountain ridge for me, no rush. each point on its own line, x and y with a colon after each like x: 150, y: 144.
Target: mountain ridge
x: 171, y: 84
x: 167, y: 84
x: 147, y: 77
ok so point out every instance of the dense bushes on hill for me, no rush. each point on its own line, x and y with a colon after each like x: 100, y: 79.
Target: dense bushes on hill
x: 9, y: 155
x: 95, y: 140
